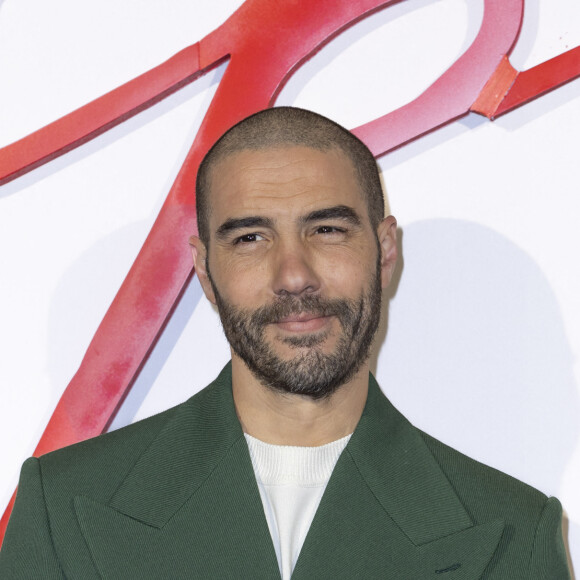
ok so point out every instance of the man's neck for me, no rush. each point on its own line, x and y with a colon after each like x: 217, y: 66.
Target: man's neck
x: 286, y: 419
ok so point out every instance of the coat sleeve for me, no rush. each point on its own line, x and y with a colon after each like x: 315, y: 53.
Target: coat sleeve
x: 548, y: 560
x: 28, y: 551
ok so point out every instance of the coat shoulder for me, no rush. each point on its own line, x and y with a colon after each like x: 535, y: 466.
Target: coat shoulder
x: 97, y: 465
x: 532, y: 544
x: 485, y: 490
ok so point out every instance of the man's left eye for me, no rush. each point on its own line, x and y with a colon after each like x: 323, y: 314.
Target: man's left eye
x: 329, y: 230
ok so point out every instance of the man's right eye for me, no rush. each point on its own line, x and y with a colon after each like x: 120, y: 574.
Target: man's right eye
x: 248, y: 238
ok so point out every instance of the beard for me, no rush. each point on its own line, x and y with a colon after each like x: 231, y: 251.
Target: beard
x: 312, y: 372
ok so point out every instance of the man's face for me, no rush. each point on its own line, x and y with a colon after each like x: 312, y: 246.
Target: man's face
x: 294, y: 266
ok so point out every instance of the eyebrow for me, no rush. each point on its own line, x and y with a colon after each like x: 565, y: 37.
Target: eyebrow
x: 342, y: 212
x: 233, y: 224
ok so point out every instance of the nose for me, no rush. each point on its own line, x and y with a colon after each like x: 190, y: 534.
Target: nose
x: 294, y: 271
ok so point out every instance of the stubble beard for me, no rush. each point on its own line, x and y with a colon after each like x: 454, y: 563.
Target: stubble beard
x: 312, y: 372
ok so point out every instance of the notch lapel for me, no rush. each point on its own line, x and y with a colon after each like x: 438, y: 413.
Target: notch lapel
x: 389, y: 511
x: 190, y: 507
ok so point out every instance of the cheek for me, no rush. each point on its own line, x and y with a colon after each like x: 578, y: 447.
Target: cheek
x: 242, y: 286
x: 349, y: 262
x: 248, y: 280
x: 347, y: 278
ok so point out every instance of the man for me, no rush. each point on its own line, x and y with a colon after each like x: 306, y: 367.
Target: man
x: 292, y: 462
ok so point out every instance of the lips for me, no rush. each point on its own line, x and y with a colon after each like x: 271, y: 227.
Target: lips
x: 303, y: 322
x: 301, y: 317
x: 299, y: 314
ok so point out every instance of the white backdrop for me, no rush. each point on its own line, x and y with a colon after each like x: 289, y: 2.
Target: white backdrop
x: 484, y: 322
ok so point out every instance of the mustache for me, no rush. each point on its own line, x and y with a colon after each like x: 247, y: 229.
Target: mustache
x: 293, y: 305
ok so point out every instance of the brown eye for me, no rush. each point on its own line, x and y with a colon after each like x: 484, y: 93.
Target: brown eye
x: 329, y: 230
x: 248, y: 239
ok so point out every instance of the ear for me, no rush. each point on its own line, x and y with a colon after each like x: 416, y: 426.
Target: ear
x: 199, y: 252
x: 387, y: 234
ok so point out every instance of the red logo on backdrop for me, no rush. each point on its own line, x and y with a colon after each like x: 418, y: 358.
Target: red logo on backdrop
x: 482, y: 80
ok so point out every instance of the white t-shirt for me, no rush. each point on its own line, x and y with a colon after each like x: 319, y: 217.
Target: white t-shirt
x: 291, y: 481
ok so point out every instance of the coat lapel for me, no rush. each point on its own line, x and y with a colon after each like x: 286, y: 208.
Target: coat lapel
x: 190, y: 507
x: 389, y: 511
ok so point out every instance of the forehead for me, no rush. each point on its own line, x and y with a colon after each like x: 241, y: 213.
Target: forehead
x: 284, y: 180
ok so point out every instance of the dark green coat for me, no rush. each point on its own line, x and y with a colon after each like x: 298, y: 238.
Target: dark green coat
x: 175, y: 497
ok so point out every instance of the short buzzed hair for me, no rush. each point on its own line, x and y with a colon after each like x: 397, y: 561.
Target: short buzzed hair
x: 290, y: 126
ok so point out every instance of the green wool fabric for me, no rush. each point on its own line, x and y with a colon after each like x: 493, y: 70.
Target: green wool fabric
x: 175, y: 497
